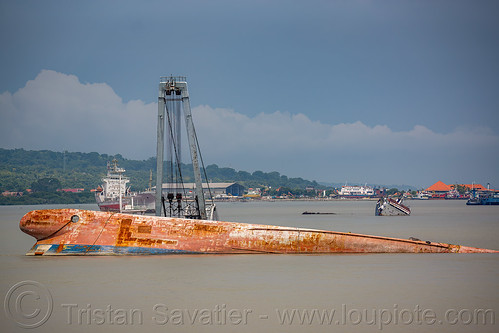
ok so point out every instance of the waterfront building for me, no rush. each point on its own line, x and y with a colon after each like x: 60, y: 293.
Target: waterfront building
x: 216, y: 189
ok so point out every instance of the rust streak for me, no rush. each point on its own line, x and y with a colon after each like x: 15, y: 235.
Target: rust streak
x: 124, y: 232
x: 144, y: 229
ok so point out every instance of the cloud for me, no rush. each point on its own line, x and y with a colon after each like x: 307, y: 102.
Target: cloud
x: 56, y: 111
x: 354, y: 152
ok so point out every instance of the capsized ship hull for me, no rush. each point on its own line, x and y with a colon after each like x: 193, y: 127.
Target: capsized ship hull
x: 391, y: 207
x: 84, y: 232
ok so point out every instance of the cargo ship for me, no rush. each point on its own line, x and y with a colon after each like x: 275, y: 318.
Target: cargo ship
x: 115, y: 196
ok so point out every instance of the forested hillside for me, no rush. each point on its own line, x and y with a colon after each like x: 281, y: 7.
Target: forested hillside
x: 22, y: 169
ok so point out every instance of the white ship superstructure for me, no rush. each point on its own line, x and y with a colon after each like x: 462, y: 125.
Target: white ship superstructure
x: 356, y: 191
x: 115, y: 183
x: 114, y: 193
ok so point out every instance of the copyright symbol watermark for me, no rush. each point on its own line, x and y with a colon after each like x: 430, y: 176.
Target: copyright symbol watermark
x: 29, y: 304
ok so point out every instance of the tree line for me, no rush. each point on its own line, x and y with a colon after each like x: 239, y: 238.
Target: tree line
x: 45, y: 171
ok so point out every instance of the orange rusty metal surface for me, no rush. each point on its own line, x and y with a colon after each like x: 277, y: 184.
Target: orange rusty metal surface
x: 101, y: 233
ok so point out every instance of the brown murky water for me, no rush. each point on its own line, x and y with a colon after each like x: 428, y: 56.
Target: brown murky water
x: 267, y: 293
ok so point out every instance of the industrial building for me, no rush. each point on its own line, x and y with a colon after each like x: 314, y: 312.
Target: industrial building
x: 216, y: 189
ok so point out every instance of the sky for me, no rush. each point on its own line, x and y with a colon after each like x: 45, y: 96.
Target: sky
x: 380, y: 92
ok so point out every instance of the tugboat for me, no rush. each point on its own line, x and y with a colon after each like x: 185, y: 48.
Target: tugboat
x: 391, y: 207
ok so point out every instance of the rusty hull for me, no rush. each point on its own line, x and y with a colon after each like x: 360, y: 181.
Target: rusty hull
x: 105, y: 233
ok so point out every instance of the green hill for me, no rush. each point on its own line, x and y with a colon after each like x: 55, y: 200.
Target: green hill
x: 24, y: 169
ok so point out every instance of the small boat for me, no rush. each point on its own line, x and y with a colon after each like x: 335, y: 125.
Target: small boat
x: 391, y: 207
x: 422, y: 195
x: 317, y: 213
x: 84, y: 232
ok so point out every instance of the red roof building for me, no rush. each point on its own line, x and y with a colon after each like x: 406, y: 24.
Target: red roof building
x: 442, y: 187
x: 477, y: 187
x: 439, y: 187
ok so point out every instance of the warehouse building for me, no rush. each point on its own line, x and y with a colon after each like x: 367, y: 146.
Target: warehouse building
x: 216, y: 189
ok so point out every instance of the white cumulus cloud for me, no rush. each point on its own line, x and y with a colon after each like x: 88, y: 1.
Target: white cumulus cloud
x: 354, y: 152
x: 56, y: 111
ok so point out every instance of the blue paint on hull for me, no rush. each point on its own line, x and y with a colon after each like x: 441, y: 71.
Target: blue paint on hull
x: 77, y: 249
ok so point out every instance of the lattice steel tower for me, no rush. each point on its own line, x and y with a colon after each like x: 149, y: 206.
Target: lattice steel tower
x: 173, y: 94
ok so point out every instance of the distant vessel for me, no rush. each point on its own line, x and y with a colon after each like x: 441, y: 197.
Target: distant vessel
x: 485, y: 198
x: 356, y: 192
x: 422, y: 195
x: 115, y: 196
x: 391, y: 207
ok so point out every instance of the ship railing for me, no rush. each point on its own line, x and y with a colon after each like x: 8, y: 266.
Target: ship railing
x: 171, y: 78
